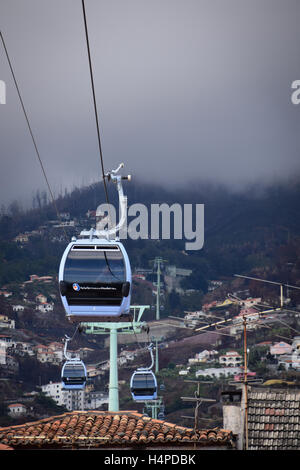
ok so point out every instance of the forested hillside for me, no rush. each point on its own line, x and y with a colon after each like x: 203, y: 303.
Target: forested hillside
x: 258, y: 228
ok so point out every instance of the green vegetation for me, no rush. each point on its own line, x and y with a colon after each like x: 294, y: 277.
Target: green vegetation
x: 244, y: 233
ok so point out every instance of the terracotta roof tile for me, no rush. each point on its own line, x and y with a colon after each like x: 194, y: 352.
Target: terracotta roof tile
x: 274, y: 420
x: 100, y: 428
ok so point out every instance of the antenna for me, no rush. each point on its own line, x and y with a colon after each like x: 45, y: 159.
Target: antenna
x: 197, y: 399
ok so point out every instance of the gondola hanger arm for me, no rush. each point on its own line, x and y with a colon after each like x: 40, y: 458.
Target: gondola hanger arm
x: 66, y: 340
x: 111, y: 232
x: 150, y: 349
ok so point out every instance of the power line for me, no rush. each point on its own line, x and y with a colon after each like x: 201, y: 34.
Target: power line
x: 269, y: 282
x: 94, y: 101
x: 30, y: 129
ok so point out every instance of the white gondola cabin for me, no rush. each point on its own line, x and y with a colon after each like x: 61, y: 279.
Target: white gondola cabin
x: 95, y: 280
x: 143, y: 385
x: 73, y: 375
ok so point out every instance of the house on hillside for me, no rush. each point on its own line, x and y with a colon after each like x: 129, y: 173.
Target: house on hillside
x: 250, y: 302
x: 7, y: 339
x: 231, y: 359
x: 21, y: 238
x: 296, y: 343
x: 6, y: 322
x: 16, y: 409
x: 218, y: 372
x: 64, y: 397
x: 2, y: 352
x: 41, y: 298
x: 50, y: 353
x: 18, y: 308
x: 5, y: 293
x: 45, y: 307
x: 203, y: 356
x: 278, y: 349
x: 21, y: 348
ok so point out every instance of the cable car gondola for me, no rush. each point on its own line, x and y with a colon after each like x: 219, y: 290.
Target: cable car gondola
x: 95, y: 280
x: 73, y: 375
x: 143, y: 383
x: 95, y: 273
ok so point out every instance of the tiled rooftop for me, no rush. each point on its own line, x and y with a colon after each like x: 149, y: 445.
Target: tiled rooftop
x: 109, y: 429
x: 274, y: 420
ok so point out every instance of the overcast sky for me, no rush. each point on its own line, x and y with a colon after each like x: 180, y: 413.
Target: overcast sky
x: 186, y: 90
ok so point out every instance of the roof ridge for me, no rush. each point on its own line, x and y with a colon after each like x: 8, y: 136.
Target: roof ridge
x: 101, y: 428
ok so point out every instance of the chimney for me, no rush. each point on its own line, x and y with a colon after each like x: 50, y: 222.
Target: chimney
x: 233, y: 414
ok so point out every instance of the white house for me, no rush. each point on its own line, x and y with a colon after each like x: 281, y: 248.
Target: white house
x: 3, y: 347
x: 217, y: 372
x: 21, y: 238
x: 18, y: 308
x: 202, y: 356
x: 296, y: 343
x: 16, y: 409
x: 231, y: 359
x: 6, y: 322
x: 45, y: 307
x: 7, y: 339
x: 44, y: 354
x: 21, y: 348
x: 72, y: 401
x: 94, y: 400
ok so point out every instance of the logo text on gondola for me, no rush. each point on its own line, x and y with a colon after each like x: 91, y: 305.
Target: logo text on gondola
x: 2, y: 92
x: 77, y: 287
x: 160, y: 222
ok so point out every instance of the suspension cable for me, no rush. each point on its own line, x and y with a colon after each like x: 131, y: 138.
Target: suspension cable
x: 94, y: 100
x: 30, y: 130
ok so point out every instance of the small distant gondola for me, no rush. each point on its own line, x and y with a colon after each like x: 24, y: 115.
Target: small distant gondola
x: 143, y: 385
x: 73, y: 375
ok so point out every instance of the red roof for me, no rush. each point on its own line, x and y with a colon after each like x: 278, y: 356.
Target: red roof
x: 109, y: 429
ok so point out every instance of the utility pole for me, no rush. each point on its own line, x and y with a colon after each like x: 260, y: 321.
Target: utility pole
x: 245, y: 381
x: 156, y: 339
x: 158, y: 262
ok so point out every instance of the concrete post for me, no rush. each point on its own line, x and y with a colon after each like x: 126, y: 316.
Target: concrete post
x: 113, y: 372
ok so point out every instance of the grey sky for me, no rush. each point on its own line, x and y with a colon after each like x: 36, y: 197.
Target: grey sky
x: 186, y: 90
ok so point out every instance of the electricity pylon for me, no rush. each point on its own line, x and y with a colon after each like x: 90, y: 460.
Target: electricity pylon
x: 157, y: 262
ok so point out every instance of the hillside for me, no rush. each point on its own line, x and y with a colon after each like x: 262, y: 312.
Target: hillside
x: 256, y: 232
x: 242, y: 230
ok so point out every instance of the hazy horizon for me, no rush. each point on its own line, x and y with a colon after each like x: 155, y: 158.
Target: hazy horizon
x: 187, y: 91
